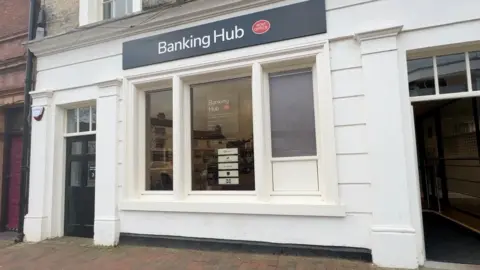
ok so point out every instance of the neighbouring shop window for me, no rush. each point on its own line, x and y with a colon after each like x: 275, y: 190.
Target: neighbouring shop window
x: 474, y: 58
x: 222, y: 135
x: 116, y: 8
x: 80, y: 120
x: 421, y: 79
x: 159, y: 140
x: 292, y: 114
x: 444, y: 74
x: 452, y: 74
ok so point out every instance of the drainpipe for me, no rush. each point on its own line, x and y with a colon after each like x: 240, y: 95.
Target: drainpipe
x: 26, y: 126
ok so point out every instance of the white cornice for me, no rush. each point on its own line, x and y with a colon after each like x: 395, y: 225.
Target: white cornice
x: 111, y: 83
x: 378, y: 33
x: 41, y: 94
x: 136, y: 24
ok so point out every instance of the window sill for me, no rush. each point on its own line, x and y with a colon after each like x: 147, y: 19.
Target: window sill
x: 253, y: 208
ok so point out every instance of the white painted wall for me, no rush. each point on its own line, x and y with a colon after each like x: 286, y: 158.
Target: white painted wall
x: 376, y: 161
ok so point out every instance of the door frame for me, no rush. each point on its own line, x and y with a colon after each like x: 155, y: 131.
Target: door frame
x: 7, y: 143
x: 410, y: 121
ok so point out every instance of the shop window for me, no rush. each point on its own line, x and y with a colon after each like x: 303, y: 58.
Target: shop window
x: 116, y: 8
x: 293, y: 131
x: 474, y: 58
x: 159, y: 140
x: 222, y: 135
x: 421, y: 79
x: 81, y: 120
x: 452, y: 75
x: 291, y: 99
x: 255, y: 131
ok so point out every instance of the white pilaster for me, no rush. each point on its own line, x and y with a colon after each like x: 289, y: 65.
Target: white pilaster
x: 393, y: 236
x: 137, y: 6
x: 36, y: 226
x: 107, y: 223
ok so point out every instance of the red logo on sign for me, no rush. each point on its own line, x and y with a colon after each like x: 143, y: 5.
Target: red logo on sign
x: 261, y: 27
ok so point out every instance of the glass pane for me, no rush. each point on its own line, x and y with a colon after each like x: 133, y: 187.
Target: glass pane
x: 120, y: 8
x: 222, y: 136
x: 91, y: 173
x: 475, y: 69
x: 459, y: 131
x: 452, y: 75
x: 94, y: 118
x: 77, y: 148
x: 16, y: 120
x: 76, y: 174
x: 291, y: 99
x: 72, y: 121
x: 107, y: 10
x: 84, y: 117
x: 159, y: 141
x: 420, y: 77
x: 91, y: 148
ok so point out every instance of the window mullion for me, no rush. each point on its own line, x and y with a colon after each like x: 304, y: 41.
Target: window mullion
x: 90, y: 120
x: 78, y: 119
x: 469, y: 73
x: 435, y: 76
x: 187, y: 136
x: 261, y: 183
x: 178, y: 143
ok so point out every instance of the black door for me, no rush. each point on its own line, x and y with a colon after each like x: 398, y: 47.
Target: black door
x: 80, y: 186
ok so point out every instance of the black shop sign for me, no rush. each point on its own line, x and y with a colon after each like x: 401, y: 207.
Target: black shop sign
x: 292, y: 21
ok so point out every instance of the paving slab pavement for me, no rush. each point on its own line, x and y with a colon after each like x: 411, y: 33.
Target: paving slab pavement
x: 76, y: 254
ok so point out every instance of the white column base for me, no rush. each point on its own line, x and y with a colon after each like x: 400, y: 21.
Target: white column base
x: 394, y: 247
x: 106, y: 232
x: 35, y: 228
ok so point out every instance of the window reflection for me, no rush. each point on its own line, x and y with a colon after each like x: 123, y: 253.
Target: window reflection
x: 159, y: 141
x: 222, y: 136
x: 72, y: 121
x: 421, y: 77
x: 452, y: 75
x: 84, y: 118
x: 475, y: 69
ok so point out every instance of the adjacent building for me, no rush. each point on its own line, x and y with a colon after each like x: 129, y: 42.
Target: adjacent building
x: 278, y: 121
x: 13, y: 32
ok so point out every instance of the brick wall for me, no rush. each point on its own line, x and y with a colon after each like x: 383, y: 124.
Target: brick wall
x: 13, y: 16
x: 62, y: 15
x: 13, y: 31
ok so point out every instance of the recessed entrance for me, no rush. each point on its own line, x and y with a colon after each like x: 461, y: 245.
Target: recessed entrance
x: 80, y: 186
x: 448, y: 148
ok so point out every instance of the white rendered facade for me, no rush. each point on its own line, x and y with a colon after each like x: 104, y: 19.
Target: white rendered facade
x: 368, y: 190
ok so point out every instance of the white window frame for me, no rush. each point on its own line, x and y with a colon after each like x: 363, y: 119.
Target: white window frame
x: 91, y: 11
x: 257, y: 64
x: 78, y: 132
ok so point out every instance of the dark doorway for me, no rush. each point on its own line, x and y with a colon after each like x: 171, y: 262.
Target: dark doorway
x: 80, y: 186
x: 12, y: 168
x: 448, y: 147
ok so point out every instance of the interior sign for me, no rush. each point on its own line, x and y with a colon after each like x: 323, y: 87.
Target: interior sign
x: 297, y: 20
